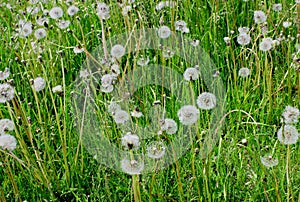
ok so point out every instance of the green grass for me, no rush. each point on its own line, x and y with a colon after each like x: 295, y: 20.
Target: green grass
x: 51, y: 162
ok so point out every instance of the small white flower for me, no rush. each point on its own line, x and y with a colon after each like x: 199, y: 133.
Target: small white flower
x: 4, y: 74
x: 243, y: 39
x: 7, y: 92
x: 117, y: 51
x: 191, y: 73
x: 266, y: 44
x: 103, y: 11
x: 156, y: 150
x: 206, y: 101
x: 121, y: 116
x: 291, y: 115
x: 288, y: 134
x: 39, y: 84
x: 259, y: 17
x: 169, y: 125
x: 130, y: 141
x: 6, y: 125
x: 56, y: 13
x: 164, y: 32
x: 8, y: 142
x: 244, y: 72
x: 57, y: 89
x: 132, y: 167
x: 72, y: 10
x: 40, y: 33
x: 188, y: 114
x: 268, y: 160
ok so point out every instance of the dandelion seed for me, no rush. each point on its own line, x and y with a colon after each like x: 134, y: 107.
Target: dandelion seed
x: 39, y: 84
x: 115, y: 70
x: 143, y: 61
x: 268, y: 160
x: 136, y: 113
x: 277, y: 7
x: 103, y: 11
x: 266, y: 44
x: 288, y: 134
x: 191, y: 74
x: 195, y: 42
x: 291, y: 115
x: 259, y: 17
x: 72, y: 10
x: 188, y: 114
x: 8, y: 142
x: 126, y: 10
x: 206, y: 101
x: 107, y: 89
x: 117, y: 51
x: 130, y: 141
x: 113, y: 107
x: 25, y: 30
x: 169, y: 125
x: 63, y: 24
x: 167, y: 53
x: 164, y: 32
x: 121, y: 116
x: 7, y: 92
x: 4, y: 74
x: 243, y: 39
x: 56, y: 13
x: 132, y: 167
x: 40, y: 33
x: 57, y: 89
x: 84, y: 73
x: 42, y: 21
x: 107, y: 80
x: 244, y: 72
x: 160, y: 5
x: 156, y: 150
x: 6, y: 125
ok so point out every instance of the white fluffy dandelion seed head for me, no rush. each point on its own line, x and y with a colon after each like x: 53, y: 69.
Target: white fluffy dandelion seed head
x: 57, y: 89
x: 227, y: 40
x: 117, y: 51
x: 188, y: 114
x: 6, y: 125
x: 130, y: 141
x: 77, y: 49
x: 259, y: 17
x: 25, y: 29
x: 4, y: 74
x: 206, y: 101
x: 84, y: 73
x: 7, y: 92
x: 191, y: 73
x: 136, y: 114
x: 277, y: 7
x: 42, y: 21
x: 169, y: 125
x: 243, y: 39
x: 40, y: 33
x: 268, y: 160
x: 143, y: 61
x: 132, y: 167
x: 56, y: 13
x: 195, y: 42
x: 121, y: 116
x: 72, y: 10
x: 244, y: 72
x: 126, y: 10
x: 115, y: 70
x: 156, y: 150
x: 103, y: 11
x: 286, y: 24
x: 107, y: 88
x: 164, y: 32
x: 243, y: 30
x: 288, y: 134
x: 8, y: 142
x: 107, y: 80
x: 266, y: 44
x: 39, y: 84
x: 113, y: 107
x: 291, y: 115
x: 63, y: 24
x: 168, y: 53
x: 180, y: 25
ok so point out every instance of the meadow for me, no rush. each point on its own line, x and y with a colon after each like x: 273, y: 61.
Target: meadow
x: 133, y: 100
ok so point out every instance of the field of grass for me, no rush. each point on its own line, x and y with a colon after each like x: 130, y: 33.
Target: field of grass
x: 61, y: 138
